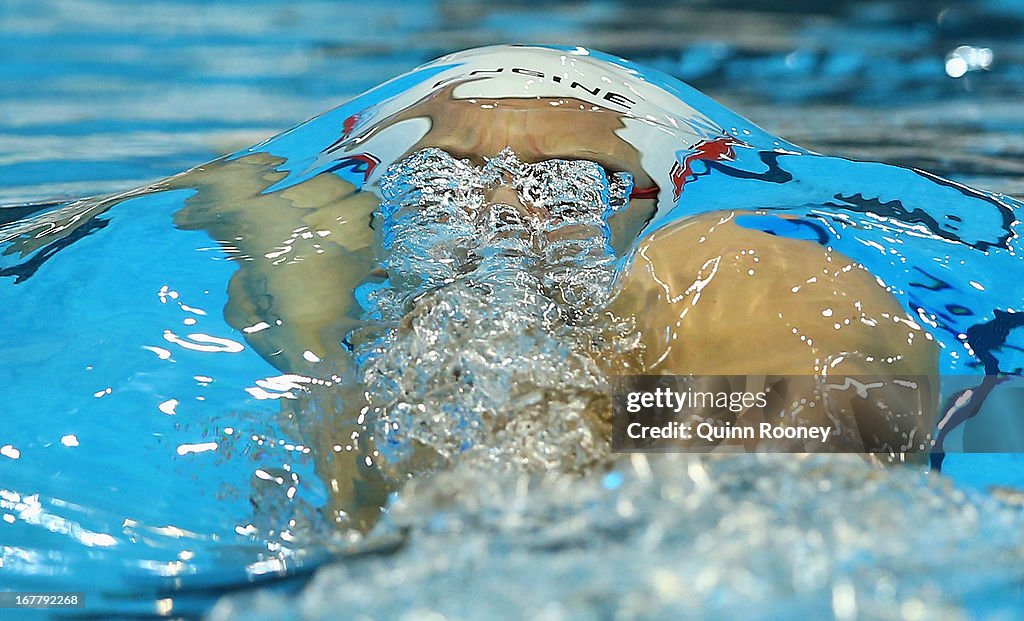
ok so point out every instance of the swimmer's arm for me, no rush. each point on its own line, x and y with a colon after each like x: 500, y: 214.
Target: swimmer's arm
x: 301, y: 251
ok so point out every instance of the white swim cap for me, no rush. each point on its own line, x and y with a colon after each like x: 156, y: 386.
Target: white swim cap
x: 660, y: 115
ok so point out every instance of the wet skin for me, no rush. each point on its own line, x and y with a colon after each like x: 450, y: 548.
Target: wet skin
x: 714, y: 298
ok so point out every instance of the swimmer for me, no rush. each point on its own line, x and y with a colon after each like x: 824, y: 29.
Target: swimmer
x: 707, y: 295
x: 703, y: 293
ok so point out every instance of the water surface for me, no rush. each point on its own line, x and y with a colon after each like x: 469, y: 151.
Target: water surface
x: 137, y: 465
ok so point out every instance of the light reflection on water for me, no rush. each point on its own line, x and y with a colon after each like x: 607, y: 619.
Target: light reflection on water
x: 167, y: 459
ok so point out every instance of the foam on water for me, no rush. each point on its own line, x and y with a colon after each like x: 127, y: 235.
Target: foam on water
x: 678, y: 536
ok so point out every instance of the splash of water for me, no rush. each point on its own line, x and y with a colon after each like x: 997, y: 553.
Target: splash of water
x: 485, y: 333
x: 679, y: 537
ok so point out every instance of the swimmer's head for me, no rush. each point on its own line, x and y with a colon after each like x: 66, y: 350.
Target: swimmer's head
x: 543, y: 104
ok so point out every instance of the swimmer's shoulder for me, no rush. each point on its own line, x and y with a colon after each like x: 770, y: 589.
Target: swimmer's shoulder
x: 716, y: 297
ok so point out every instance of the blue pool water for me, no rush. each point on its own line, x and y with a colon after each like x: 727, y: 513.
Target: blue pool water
x: 145, y: 458
x: 90, y: 418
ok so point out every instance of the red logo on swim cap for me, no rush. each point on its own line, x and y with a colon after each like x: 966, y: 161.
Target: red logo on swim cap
x: 717, y: 150
x: 360, y: 164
